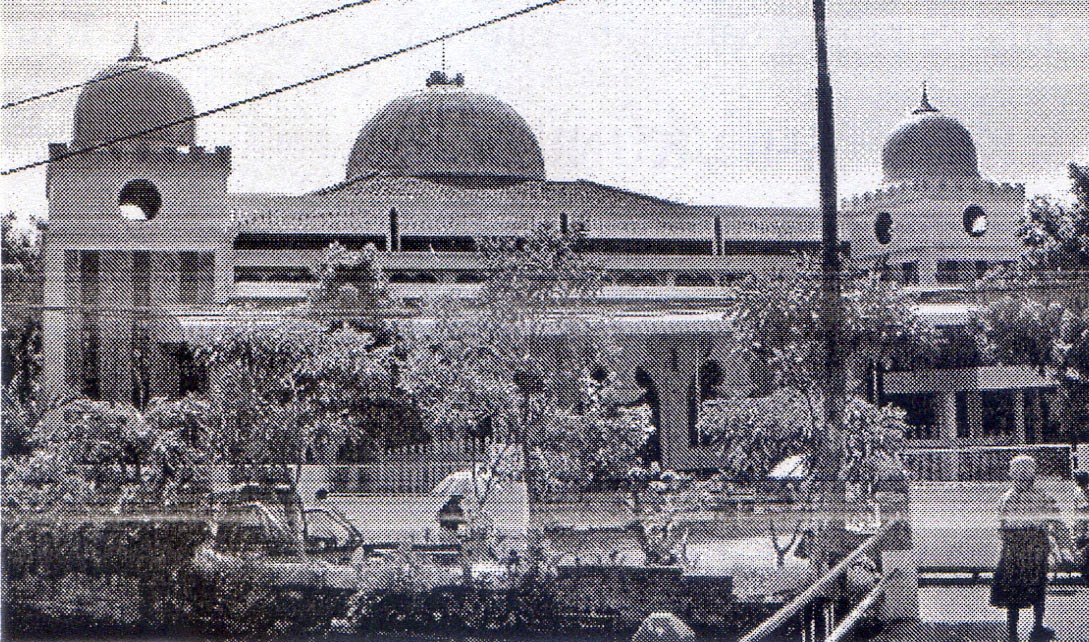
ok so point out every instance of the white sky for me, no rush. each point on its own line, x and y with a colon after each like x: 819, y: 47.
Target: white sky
x: 705, y: 101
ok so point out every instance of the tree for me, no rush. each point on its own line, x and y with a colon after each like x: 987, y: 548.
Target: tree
x: 1048, y: 336
x: 348, y: 283
x: 281, y: 392
x: 781, y: 321
x: 504, y: 367
x: 591, y: 445
x: 21, y: 285
x: 96, y: 452
x: 754, y: 434
x: 778, y: 321
x: 1056, y: 235
x: 514, y: 354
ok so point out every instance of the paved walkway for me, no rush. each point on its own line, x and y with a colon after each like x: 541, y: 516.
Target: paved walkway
x: 956, y: 524
x: 963, y: 614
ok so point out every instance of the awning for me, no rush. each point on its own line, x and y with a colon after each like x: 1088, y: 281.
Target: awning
x: 961, y: 379
x: 196, y: 329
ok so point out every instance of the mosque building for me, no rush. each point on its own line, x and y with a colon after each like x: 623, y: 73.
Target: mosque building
x: 146, y: 246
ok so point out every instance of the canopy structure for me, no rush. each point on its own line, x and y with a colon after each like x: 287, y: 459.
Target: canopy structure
x: 793, y: 467
x: 463, y: 483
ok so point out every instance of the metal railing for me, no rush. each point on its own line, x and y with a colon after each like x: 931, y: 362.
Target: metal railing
x: 814, y: 615
x: 983, y: 463
x: 406, y: 477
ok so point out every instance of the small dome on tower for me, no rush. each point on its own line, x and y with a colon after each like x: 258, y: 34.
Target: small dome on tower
x: 929, y: 146
x: 129, y: 97
x: 447, y: 133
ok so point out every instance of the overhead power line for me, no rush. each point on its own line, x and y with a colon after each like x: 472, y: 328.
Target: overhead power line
x: 285, y: 88
x: 191, y: 52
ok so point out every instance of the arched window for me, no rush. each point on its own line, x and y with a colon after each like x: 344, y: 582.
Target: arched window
x: 139, y: 200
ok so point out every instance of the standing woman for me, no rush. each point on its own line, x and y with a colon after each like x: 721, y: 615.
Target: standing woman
x: 1028, y: 517
x: 1081, y: 527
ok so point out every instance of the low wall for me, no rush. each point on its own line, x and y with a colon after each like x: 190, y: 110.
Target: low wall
x: 70, y: 574
x: 628, y: 594
x: 984, y: 463
x: 77, y: 575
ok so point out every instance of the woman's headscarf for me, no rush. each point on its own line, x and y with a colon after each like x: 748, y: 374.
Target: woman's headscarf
x: 1023, y: 468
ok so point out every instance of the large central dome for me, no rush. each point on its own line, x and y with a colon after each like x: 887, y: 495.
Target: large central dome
x: 127, y: 98
x: 929, y: 146
x: 446, y: 132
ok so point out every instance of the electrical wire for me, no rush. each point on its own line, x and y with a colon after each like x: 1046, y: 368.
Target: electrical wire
x: 191, y: 52
x: 279, y: 90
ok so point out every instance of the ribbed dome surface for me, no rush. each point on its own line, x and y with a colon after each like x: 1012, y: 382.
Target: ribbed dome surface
x: 448, y: 133
x: 929, y: 146
x: 127, y: 100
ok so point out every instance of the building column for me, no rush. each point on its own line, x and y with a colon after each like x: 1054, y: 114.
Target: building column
x: 1018, y: 435
x: 54, y: 361
x: 165, y: 279
x: 55, y: 319
x: 115, y: 326
x: 165, y: 376
x: 975, y: 413
x: 673, y: 416
x: 223, y: 280
x: 928, y: 271
x: 947, y: 417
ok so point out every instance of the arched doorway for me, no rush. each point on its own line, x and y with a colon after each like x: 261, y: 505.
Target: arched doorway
x: 704, y: 386
x: 652, y: 450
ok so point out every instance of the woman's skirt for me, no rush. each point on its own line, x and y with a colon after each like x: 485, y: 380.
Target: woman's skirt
x: 1021, y: 578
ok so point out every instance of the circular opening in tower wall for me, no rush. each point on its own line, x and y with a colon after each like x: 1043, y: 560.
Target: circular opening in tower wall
x: 882, y: 228
x: 975, y: 221
x: 139, y: 200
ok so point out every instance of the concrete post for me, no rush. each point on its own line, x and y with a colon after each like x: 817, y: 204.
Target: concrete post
x: 947, y: 427
x: 975, y: 413
x: 902, y: 591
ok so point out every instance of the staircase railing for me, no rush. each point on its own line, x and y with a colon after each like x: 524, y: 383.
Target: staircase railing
x: 820, y: 613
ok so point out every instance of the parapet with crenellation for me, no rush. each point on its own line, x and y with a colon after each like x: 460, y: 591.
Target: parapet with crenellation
x: 196, y: 155
x: 899, y: 192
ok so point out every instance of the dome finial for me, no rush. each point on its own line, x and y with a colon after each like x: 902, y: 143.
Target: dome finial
x: 924, y: 104
x: 442, y: 79
x: 136, y: 54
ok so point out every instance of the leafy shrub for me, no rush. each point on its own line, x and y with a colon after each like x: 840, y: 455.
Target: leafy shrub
x: 525, y: 602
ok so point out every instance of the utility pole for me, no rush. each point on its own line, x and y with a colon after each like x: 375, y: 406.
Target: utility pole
x: 828, y: 458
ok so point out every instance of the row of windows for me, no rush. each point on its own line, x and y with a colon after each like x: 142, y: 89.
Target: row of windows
x: 295, y: 274
x: 192, y: 375
x: 995, y: 416
x: 444, y: 243
x: 947, y: 272
x: 89, y: 279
